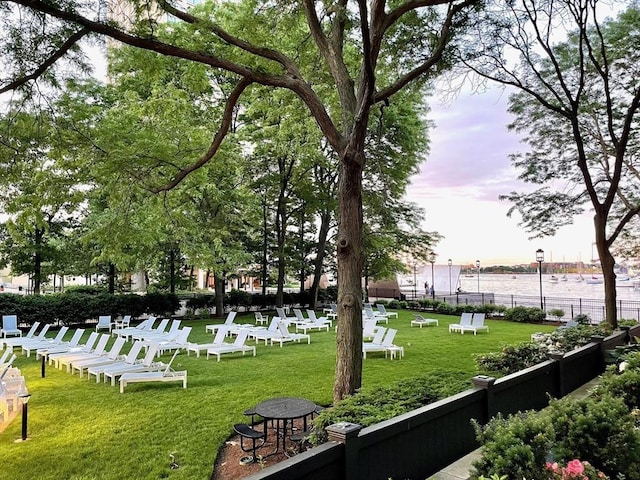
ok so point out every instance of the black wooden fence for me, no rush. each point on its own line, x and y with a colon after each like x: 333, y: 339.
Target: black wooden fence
x: 418, y: 444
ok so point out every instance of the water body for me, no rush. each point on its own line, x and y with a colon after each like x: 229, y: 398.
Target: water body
x: 529, y: 284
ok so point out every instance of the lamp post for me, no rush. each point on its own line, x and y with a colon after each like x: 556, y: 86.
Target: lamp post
x: 449, y: 262
x: 24, y: 398
x: 432, y: 260
x: 478, y: 271
x: 414, y: 281
x: 540, y: 259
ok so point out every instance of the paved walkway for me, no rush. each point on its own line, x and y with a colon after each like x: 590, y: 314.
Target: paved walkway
x: 461, y: 469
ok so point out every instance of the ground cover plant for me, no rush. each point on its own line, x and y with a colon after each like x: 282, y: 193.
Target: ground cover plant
x: 80, y: 430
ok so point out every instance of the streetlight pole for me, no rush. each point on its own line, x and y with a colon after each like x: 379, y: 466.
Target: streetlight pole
x: 414, y: 281
x: 449, y: 262
x: 432, y: 260
x: 478, y: 271
x: 540, y: 259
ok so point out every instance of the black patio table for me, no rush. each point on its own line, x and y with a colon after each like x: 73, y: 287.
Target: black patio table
x: 282, y: 410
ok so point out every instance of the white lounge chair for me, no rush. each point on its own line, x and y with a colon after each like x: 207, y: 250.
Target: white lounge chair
x: 181, y: 340
x: 145, y: 325
x: 169, y: 335
x: 382, y: 310
x: 167, y: 375
x: 16, y: 341
x: 48, y: 342
x: 110, y: 357
x: 53, y: 357
x: 227, y: 322
x: 385, y: 346
x: 370, y: 328
x: 67, y: 359
x: 62, y: 346
x: 368, y: 313
x: 261, y: 333
x: 237, y: 346
x: 19, y: 341
x: 319, y: 324
x: 465, y: 321
x: 217, y: 340
x: 477, y: 324
x: 129, y: 359
x: 283, y: 316
x: 314, y: 318
x: 145, y: 365
x: 151, y: 332
x: 10, y: 326
x: 420, y: 321
x: 104, y: 322
x: 283, y: 335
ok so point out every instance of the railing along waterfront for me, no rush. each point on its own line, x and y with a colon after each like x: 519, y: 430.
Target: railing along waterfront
x: 593, y: 307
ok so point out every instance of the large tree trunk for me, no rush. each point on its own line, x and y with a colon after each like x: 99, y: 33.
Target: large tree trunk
x: 112, y: 278
x: 172, y: 270
x: 219, y: 289
x: 37, y: 261
x: 350, y: 263
x: 607, y: 263
x: 265, y: 252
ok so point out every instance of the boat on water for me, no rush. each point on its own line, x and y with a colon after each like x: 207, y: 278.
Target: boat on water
x: 593, y: 280
x: 554, y: 279
x: 564, y: 278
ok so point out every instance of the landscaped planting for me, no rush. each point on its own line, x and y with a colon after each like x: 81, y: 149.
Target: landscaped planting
x: 597, y: 434
x: 80, y: 430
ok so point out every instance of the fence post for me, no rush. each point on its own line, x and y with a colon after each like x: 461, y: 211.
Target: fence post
x: 486, y: 382
x: 558, y: 356
x: 347, y: 434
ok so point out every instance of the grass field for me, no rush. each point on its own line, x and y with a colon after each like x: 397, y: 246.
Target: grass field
x: 82, y: 430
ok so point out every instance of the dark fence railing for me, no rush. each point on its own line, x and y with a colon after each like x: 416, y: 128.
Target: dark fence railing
x: 593, y: 307
x: 421, y: 442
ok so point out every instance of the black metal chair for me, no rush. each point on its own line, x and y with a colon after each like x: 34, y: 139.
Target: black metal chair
x: 247, y: 432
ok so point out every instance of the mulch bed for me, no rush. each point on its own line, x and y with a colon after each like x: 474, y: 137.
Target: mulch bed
x: 228, y: 465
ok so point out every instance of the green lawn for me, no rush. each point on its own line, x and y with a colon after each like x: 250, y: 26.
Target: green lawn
x: 82, y: 430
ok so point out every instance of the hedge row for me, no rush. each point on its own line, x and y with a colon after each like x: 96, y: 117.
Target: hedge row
x: 78, y: 307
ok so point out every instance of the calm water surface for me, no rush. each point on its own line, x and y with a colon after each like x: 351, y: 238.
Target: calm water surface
x: 529, y: 284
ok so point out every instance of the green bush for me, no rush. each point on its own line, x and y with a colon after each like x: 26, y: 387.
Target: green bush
x: 598, y: 430
x: 368, y: 408
x: 446, y: 309
x: 525, y: 314
x: 556, y: 312
x: 582, y: 319
x: 394, y: 304
x: 512, y: 358
x: 516, y: 446
x: 625, y: 384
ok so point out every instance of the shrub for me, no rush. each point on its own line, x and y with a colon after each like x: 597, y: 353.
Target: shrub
x: 394, y: 304
x: 516, y: 446
x: 445, y: 309
x: 368, y: 408
x: 582, y: 319
x: 525, y: 314
x: 512, y: 358
x: 598, y: 430
x: 625, y: 384
x: 556, y: 312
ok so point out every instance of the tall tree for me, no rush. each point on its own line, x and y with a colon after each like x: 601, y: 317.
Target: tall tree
x: 576, y: 101
x: 410, y: 37
x: 39, y: 193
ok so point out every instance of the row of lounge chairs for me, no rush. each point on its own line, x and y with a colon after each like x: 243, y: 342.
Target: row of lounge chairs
x: 103, y: 363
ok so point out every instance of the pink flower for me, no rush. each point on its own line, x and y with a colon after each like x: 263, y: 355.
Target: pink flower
x: 552, y: 466
x: 575, y: 467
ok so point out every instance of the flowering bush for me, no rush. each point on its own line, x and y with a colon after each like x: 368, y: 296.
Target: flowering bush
x: 575, y: 469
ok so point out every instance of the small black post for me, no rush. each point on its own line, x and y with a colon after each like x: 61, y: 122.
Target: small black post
x: 44, y: 366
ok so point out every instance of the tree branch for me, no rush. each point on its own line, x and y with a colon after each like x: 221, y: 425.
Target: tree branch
x: 57, y: 55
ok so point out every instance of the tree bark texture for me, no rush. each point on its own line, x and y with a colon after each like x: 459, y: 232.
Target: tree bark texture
x: 350, y: 262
